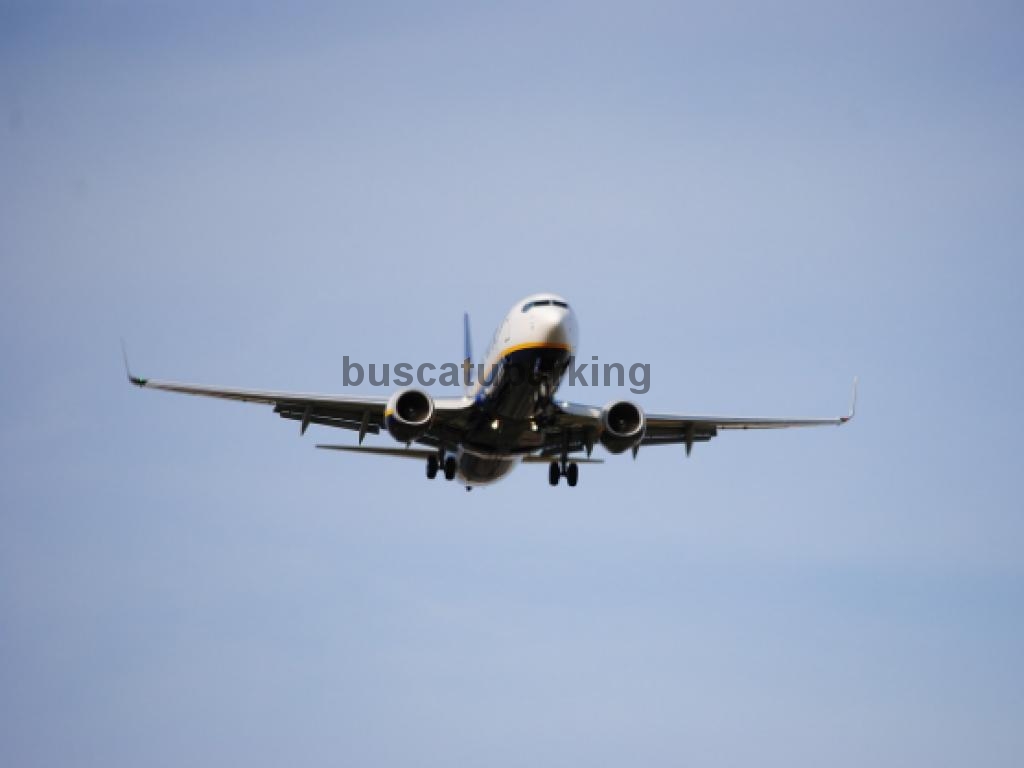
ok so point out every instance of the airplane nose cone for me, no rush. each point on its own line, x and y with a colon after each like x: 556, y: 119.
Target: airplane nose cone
x: 554, y: 326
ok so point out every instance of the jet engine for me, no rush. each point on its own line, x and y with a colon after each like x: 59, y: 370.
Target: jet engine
x: 408, y: 414
x: 623, y: 426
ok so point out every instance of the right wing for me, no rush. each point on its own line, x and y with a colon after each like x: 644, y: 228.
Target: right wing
x: 361, y: 414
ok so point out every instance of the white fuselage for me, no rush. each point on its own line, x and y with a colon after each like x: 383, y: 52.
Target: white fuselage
x: 522, y: 369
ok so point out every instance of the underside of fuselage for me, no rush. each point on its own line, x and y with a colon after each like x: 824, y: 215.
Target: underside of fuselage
x: 508, y: 421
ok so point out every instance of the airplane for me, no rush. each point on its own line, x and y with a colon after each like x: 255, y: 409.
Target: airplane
x: 501, y: 419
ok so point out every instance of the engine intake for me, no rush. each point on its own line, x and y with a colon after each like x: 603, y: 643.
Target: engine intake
x: 623, y: 426
x: 408, y: 414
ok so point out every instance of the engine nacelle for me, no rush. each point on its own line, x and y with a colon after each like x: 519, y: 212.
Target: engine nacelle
x: 623, y: 426
x: 408, y: 414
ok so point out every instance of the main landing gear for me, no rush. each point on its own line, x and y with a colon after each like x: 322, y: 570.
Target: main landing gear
x: 448, y: 464
x: 570, y: 470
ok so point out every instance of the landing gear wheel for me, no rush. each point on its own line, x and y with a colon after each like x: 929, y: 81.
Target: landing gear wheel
x: 572, y: 474
x: 450, y: 468
x: 554, y: 472
x: 431, y: 467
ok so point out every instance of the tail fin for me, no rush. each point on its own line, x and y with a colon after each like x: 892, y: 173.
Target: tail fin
x: 467, y: 348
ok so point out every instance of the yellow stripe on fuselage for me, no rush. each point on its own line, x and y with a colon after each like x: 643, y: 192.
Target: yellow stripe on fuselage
x: 535, y: 345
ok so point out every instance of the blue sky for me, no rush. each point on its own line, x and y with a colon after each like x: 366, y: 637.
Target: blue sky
x: 758, y: 202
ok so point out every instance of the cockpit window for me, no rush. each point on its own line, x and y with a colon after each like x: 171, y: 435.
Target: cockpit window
x: 544, y: 303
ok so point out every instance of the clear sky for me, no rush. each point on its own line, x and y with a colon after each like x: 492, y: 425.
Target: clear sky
x: 759, y: 202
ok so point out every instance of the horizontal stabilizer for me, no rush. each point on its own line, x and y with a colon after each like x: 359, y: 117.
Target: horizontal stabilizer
x: 549, y: 459
x: 425, y: 453
x: 403, y: 453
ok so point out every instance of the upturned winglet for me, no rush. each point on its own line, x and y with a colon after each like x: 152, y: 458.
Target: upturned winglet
x: 853, y: 404
x: 127, y: 369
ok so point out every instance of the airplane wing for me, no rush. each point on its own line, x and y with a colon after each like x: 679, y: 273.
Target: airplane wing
x: 364, y: 415
x: 668, y: 429
x: 579, y: 426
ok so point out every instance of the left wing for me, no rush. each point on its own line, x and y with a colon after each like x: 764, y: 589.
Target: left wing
x: 668, y: 429
x: 578, y: 427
